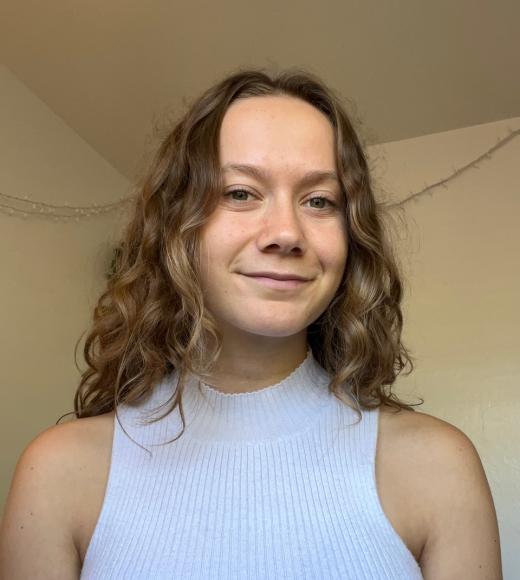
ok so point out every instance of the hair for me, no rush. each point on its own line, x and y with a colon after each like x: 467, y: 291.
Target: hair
x: 151, y: 318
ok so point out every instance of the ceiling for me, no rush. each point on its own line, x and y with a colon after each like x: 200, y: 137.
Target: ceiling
x: 119, y: 71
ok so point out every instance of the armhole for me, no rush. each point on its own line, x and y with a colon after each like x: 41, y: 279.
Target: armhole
x: 392, y: 534
x: 108, y: 487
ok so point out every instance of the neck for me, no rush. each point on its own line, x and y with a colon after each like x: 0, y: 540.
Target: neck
x: 282, y: 409
x: 248, y: 365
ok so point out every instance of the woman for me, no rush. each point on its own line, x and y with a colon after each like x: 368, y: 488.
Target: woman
x: 237, y: 411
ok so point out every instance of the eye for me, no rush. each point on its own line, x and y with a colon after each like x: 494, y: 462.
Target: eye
x: 244, y: 193
x: 320, y: 198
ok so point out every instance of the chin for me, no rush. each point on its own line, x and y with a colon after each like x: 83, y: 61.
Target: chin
x: 277, y: 320
x: 275, y: 328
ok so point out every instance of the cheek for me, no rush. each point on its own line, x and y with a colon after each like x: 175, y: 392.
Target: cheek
x: 222, y: 232
x: 211, y: 239
x: 217, y: 248
x: 332, y: 251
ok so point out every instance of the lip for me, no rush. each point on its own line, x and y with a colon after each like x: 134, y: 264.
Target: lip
x: 277, y: 275
x: 288, y: 284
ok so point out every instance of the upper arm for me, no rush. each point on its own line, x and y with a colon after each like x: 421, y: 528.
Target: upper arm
x: 463, y: 538
x: 35, y: 537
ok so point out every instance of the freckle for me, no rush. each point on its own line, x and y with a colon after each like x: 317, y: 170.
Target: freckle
x: 21, y: 527
x: 32, y: 467
x: 31, y: 513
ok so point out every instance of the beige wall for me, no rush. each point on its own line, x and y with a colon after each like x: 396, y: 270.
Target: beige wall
x: 49, y: 271
x: 459, y: 251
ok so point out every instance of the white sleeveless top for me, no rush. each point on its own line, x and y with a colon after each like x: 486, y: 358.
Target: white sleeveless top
x: 274, y: 484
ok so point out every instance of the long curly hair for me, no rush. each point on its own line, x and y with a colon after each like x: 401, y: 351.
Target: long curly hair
x: 151, y: 318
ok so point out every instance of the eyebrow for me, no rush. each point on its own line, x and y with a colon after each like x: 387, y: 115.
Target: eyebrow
x: 307, y: 179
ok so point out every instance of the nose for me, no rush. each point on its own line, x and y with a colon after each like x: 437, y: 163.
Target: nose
x: 281, y: 228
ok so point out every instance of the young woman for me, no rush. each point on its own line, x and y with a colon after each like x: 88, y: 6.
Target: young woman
x: 237, y: 419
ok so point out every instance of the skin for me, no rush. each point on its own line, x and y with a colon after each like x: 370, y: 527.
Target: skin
x: 276, y: 224
x: 430, y: 479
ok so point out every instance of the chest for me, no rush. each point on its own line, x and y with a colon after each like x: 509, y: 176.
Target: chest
x: 402, y: 515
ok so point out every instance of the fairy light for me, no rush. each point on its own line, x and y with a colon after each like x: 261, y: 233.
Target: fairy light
x: 428, y: 189
x: 16, y: 206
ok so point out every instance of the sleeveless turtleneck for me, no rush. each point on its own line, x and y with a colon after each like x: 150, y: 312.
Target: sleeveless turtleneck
x: 277, y: 483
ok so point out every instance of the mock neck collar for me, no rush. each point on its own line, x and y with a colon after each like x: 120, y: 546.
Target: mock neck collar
x: 288, y: 407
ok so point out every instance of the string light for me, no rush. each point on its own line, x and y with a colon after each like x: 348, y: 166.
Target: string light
x: 25, y: 207
x: 475, y: 164
x: 13, y: 205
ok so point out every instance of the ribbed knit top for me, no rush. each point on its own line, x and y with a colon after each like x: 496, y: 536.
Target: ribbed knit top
x: 277, y: 483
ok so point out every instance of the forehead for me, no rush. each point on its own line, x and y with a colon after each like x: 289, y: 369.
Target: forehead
x: 282, y: 133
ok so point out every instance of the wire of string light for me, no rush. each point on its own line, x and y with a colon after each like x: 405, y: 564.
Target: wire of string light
x: 57, y: 212
x: 474, y: 164
x: 70, y: 212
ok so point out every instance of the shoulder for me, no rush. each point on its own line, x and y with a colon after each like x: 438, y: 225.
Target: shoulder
x: 68, y: 456
x: 72, y: 433
x: 437, y: 455
x: 59, y: 450
x: 438, y: 463
x: 429, y: 442
x: 55, y: 460
x: 415, y: 429
x: 46, y: 489
x: 62, y: 449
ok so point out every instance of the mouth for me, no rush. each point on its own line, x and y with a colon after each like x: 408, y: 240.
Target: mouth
x: 286, y: 284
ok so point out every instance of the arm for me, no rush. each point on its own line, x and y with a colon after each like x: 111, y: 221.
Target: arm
x: 35, y: 537
x: 463, y: 538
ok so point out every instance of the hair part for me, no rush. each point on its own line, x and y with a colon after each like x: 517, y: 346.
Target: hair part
x: 151, y: 318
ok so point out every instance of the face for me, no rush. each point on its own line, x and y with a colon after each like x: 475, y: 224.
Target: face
x: 281, y: 212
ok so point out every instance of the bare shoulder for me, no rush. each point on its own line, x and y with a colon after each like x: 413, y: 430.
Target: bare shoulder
x: 437, y: 455
x: 40, y: 515
x: 89, y: 434
x: 424, y: 433
x: 436, y: 449
x: 68, y: 449
x: 440, y: 466
x: 82, y: 432
x: 59, y: 453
